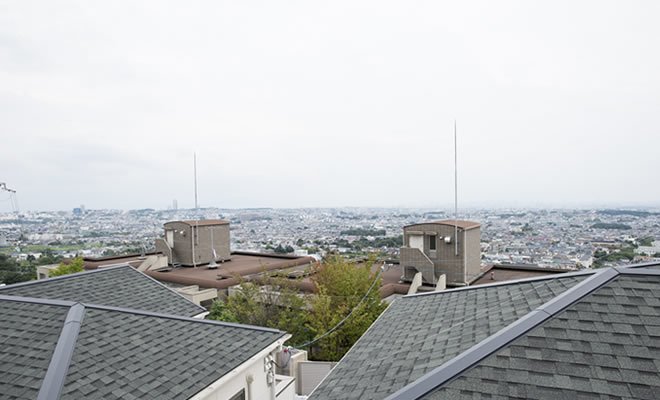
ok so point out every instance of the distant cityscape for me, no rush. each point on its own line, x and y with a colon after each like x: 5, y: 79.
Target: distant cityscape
x: 547, y: 238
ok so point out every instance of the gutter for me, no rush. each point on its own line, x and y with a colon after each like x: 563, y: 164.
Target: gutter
x: 241, y: 369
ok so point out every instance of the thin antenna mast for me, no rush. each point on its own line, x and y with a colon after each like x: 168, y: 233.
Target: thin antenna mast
x: 455, y: 193
x: 195, y: 169
x: 194, y: 229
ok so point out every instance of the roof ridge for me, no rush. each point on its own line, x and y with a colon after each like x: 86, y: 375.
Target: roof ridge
x: 100, y: 270
x: 181, y: 318
x: 62, y: 277
x: 69, y: 303
x: 504, y: 283
x: 475, y: 354
x: 37, y: 300
x: 60, y: 360
x: 641, y: 265
x: 170, y: 289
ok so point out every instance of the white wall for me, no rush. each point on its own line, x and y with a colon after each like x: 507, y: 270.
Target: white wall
x: 232, y: 383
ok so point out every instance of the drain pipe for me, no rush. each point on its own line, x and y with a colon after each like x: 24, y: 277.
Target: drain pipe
x: 270, y: 376
x: 249, y: 379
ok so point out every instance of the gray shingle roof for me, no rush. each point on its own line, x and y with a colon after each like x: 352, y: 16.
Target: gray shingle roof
x: 417, y: 334
x: 28, y: 335
x: 605, y: 345
x: 117, y: 353
x: 121, y: 286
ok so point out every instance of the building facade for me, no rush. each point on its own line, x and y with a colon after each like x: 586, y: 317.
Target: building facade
x: 194, y: 243
x: 437, y: 248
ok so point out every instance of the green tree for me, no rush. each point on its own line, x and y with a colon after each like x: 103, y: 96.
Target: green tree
x: 273, y: 302
x: 12, y: 272
x: 76, y: 265
x: 346, y: 303
x: 48, y: 257
x: 345, y: 292
x: 647, y: 241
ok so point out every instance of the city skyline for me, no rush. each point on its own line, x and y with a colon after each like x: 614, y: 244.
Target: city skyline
x: 344, y: 104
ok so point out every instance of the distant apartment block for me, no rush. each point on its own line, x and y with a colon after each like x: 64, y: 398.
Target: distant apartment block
x: 450, y: 248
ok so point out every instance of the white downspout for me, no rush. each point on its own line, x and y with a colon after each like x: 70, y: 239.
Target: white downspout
x: 249, y: 379
x: 273, y: 393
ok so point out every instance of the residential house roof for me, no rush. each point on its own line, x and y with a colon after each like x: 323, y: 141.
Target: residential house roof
x: 597, y: 337
x: 120, y: 286
x: 419, y: 333
x: 52, y: 349
x: 605, y: 345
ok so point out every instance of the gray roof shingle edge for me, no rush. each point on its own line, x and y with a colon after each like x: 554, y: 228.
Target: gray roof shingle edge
x: 474, y: 355
x: 505, y: 283
x: 202, y: 309
x: 67, y: 303
x: 64, y: 277
x: 100, y: 271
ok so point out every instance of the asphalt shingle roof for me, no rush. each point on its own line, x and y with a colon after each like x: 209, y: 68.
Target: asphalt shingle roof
x: 605, y: 346
x: 417, y: 334
x: 114, y: 334
x: 117, y: 353
x: 121, y: 355
x: 28, y: 335
x: 121, y: 286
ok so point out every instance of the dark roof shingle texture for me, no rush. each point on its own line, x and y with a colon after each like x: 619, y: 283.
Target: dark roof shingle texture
x: 28, y: 335
x: 418, y: 334
x: 117, y: 287
x: 605, y: 346
x: 121, y: 355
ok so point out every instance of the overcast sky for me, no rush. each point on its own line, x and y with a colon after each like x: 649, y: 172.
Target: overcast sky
x: 329, y: 103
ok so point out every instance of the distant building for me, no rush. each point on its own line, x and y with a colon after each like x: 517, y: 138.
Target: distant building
x: 193, y: 243
x: 651, y: 250
x: 183, y: 258
x: 433, y: 249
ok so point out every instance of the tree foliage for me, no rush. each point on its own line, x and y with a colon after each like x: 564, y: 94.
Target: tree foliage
x: 611, y: 225
x: 273, y: 303
x: 48, y: 256
x: 12, y: 272
x: 76, y: 265
x: 601, y: 258
x: 284, y: 249
x: 341, y: 287
x: 646, y: 241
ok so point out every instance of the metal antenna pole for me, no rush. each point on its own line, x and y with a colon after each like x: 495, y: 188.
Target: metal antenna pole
x: 455, y: 193
x: 195, y: 169
x: 194, y: 229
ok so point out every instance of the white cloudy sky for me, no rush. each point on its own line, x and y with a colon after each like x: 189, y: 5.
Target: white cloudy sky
x: 329, y: 103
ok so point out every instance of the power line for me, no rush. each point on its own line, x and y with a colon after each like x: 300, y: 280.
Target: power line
x: 340, y: 323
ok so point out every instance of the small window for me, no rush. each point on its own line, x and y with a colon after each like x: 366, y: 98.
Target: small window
x: 238, y: 396
x: 432, y: 242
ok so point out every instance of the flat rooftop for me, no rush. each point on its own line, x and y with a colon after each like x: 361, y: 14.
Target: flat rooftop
x: 134, y: 260
x: 227, y: 273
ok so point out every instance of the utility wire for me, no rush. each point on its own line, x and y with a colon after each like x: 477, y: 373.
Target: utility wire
x: 340, y: 323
